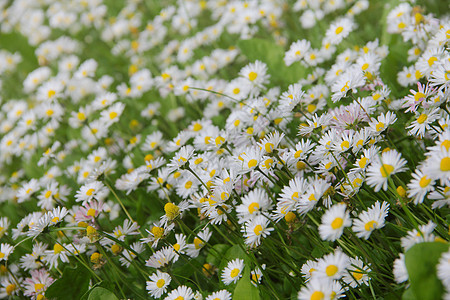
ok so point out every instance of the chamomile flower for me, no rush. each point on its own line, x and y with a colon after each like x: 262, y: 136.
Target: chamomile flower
x: 256, y: 74
x: 437, y: 166
x: 370, y: 220
x: 5, y: 251
x: 233, y: 271
x: 335, y: 219
x: 357, y: 273
x: 339, y: 30
x: 315, y: 289
x: 92, y: 190
x: 332, y: 266
x: 419, y: 186
x: 157, y: 286
x: 181, y: 292
x: 253, y: 204
x: 161, y: 258
x: 383, y: 167
x: 443, y: 269
x: 219, y: 295
x: 255, y: 229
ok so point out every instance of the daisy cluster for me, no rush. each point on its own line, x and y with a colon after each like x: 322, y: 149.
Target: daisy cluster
x: 140, y: 144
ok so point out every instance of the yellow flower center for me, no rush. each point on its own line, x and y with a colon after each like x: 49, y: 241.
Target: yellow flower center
x: 258, y: 229
x: 445, y: 164
x: 339, y: 29
x: 424, y: 181
x: 51, y: 93
x: 158, y: 232
x: 337, y: 223
x: 418, y: 96
x: 112, y: 115
x: 252, y: 163
x: 331, y: 270
x: 253, y: 207
x: 357, y: 276
x: 57, y: 248
x: 386, y: 170
x: 10, y: 289
x: 91, y: 212
x: 422, y: 118
x: 188, y: 184
x: 252, y: 76
x: 362, y: 162
x: 160, y: 283
x: 198, y: 243
x: 234, y: 272
x: 317, y: 295
x: 290, y: 217
x: 370, y: 225
x: 172, y: 211
x: 38, y: 287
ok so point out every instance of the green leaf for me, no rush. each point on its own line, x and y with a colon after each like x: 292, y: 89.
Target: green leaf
x: 100, y: 293
x: 215, y: 256
x: 105, y: 284
x: 421, y: 262
x: 72, y: 284
x: 272, y: 54
x: 245, y: 290
x: 409, y: 295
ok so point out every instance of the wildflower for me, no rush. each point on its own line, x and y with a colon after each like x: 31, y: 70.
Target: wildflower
x: 339, y: 30
x: 357, y: 273
x: 419, y: 186
x: 370, y: 220
x: 181, y: 292
x: 255, y: 229
x: 157, y: 286
x: 5, y: 251
x: 232, y: 271
x: 161, y: 258
x: 332, y: 266
x: 334, y: 221
x: 382, y: 168
x: 38, y: 283
x: 219, y: 295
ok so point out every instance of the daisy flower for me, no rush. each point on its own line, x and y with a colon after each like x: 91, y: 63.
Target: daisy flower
x: 419, y: 186
x: 308, y: 268
x: 339, y: 30
x: 255, y: 229
x: 382, y: 122
x: 399, y: 269
x: 202, y: 237
x: 443, y: 269
x: 5, y: 251
x: 253, y: 204
x: 233, y: 271
x: 370, y: 220
x: 158, y: 284
x: 161, y: 258
x: 92, y: 190
x: 296, y: 51
x: 332, y: 266
x: 36, y: 285
x: 255, y: 73
x: 422, y: 123
x: 357, y: 273
x: 383, y: 167
x: 437, y: 166
x: 350, y: 80
x: 181, y: 292
x: 220, y: 295
x: 335, y: 219
x: 315, y: 289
